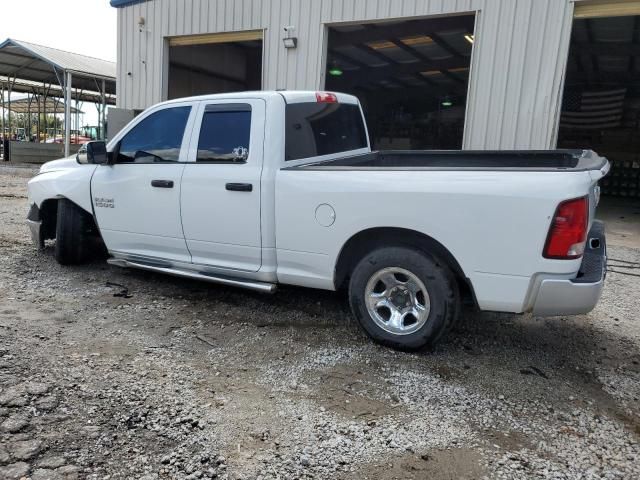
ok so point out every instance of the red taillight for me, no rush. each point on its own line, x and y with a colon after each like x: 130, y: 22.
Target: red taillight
x: 568, y: 233
x: 326, y: 97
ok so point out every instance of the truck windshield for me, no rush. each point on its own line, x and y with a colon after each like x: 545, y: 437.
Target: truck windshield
x: 314, y: 129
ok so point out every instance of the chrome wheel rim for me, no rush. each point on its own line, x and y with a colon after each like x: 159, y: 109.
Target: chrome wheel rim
x: 397, y: 301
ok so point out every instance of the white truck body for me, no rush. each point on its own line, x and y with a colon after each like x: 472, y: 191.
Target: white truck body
x: 300, y: 213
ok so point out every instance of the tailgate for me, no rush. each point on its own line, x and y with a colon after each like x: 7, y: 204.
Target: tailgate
x: 601, y: 167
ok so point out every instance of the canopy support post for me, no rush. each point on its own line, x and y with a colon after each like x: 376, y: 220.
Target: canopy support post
x: 44, y: 110
x: 67, y: 113
x: 4, y: 154
x: 36, y: 96
x: 10, y: 87
x: 78, y: 106
x: 103, y: 119
x: 2, y: 101
x: 29, y: 99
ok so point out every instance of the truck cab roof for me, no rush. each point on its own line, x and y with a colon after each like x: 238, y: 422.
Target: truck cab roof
x: 289, y: 96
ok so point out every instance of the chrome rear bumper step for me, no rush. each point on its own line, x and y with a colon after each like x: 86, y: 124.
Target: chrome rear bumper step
x: 578, y: 295
x: 206, y: 277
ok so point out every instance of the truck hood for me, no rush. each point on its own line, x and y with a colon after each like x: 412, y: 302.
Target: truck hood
x: 60, y: 164
x: 64, y: 178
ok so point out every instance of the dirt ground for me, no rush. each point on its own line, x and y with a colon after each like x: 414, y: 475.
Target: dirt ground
x: 158, y: 377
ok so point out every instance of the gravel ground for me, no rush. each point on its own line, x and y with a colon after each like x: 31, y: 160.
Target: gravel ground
x: 180, y: 379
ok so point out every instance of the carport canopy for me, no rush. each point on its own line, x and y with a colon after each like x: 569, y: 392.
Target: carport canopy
x: 25, y: 105
x: 52, y: 90
x: 29, y: 62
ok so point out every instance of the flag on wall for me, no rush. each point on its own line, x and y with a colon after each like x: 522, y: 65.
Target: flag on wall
x: 594, y: 110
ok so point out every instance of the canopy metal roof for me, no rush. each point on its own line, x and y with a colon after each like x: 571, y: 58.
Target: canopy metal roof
x: 38, y: 63
x: 52, y: 105
x: 52, y: 90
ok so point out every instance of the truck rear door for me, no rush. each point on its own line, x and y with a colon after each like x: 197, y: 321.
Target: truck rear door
x: 220, y: 195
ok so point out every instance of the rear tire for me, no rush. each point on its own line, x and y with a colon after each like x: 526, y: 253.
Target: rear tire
x: 71, y: 233
x: 404, y: 298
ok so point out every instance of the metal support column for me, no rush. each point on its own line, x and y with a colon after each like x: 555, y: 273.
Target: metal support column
x: 4, y: 155
x: 44, y: 111
x: 77, y: 117
x: 36, y: 96
x: 2, y: 102
x: 67, y: 113
x: 11, y: 82
x: 103, y: 117
x: 28, y: 129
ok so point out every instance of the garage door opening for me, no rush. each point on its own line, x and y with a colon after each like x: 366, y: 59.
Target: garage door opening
x: 216, y: 63
x: 601, y: 99
x: 411, y: 76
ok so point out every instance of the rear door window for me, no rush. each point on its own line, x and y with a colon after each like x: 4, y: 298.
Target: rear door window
x: 225, y: 134
x: 314, y: 129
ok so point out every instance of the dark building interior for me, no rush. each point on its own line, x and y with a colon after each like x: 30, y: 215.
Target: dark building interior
x: 199, y: 69
x: 411, y: 77
x: 601, y: 100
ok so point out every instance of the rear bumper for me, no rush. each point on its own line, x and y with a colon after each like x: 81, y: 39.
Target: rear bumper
x: 581, y: 294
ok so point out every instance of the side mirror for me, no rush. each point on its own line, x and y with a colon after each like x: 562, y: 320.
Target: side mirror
x: 97, y: 153
x: 81, y: 156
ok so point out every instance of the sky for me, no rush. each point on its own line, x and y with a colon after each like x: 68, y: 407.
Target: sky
x: 88, y: 27
x: 81, y: 26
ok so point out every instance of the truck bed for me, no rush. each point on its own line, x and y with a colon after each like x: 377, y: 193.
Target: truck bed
x: 535, y: 160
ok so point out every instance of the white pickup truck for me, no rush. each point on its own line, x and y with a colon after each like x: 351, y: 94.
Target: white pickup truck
x: 256, y: 189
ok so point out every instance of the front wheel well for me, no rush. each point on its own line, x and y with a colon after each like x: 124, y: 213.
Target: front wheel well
x: 49, y: 215
x: 371, y: 239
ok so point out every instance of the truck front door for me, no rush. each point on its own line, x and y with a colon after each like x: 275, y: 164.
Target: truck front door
x: 137, y: 198
x: 220, y: 198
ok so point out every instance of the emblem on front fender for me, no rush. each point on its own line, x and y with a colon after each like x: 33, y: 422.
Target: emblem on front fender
x: 104, y: 202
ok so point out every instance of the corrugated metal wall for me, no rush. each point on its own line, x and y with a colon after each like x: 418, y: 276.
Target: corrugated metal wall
x: 517, y: 70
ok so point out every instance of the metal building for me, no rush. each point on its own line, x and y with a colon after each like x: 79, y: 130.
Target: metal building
x: 489, y: 73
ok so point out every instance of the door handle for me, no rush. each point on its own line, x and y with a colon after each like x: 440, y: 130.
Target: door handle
x: 162, y: 183
x: 239, y: 187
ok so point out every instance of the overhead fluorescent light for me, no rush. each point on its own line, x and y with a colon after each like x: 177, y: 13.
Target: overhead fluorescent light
x: 381, y: 45
x: 469, y: 38
x: 417, y: 40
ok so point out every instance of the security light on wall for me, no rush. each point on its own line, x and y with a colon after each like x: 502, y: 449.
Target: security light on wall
x: 289, y: 40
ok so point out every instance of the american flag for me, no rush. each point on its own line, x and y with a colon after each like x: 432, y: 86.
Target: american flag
x: 592, y: 110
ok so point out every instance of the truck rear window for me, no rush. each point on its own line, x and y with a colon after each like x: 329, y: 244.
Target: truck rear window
x: 314, y: 129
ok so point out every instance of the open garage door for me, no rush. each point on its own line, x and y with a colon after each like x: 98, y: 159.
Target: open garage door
x: 411, y: 76
x: 214, y: 63
x: 601, y: 99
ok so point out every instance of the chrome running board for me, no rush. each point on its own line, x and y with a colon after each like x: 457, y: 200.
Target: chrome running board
x: 233, y: 282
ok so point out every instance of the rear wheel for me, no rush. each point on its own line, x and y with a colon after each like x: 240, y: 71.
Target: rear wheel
x: 72, y: 236
x: 404, y: 298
